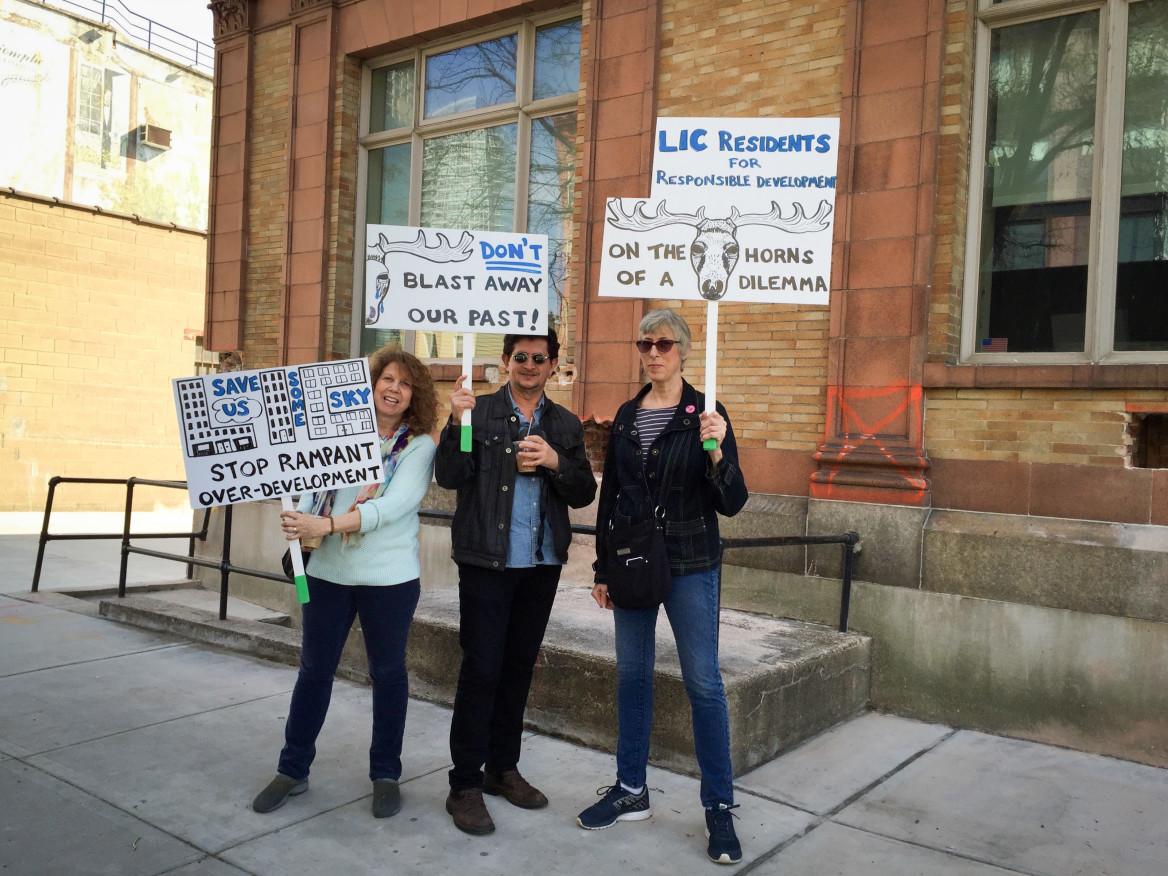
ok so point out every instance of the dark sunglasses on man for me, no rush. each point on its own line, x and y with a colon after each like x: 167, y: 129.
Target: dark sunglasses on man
x: 663, y: 345
x: 537, y: 358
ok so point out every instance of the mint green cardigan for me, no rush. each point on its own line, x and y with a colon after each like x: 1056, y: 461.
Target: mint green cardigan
x: 388, y: 553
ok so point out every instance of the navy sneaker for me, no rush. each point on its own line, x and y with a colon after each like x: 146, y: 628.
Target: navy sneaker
x: 724, y: 847
x: 617, y: 805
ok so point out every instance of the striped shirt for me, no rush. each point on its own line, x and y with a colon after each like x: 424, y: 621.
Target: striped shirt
x: 651, y: 422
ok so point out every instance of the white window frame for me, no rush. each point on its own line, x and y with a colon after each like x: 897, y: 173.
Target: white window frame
x: 1103, y: 249
x: 521, y: 112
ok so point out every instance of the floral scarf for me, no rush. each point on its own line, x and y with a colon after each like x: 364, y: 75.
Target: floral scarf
x: 391, y: 448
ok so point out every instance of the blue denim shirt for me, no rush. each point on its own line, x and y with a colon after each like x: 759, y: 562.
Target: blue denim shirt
x: 528, y: 519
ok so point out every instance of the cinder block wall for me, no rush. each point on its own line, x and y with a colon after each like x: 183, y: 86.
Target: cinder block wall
x: 92, y: 312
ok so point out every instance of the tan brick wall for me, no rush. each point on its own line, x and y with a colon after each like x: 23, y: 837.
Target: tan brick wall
x: 92, y: 313
x: 952, y: 183
x: 343, y: 219
x: 267, y: 199
x: 1078, y: 427
x: 757, y: 58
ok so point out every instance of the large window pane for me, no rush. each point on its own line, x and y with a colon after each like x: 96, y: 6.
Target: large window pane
x: 472, y: 77
x: 468, y: 181
x: 557, y: 60
x: 1036, y: 215
x: 549, y: 204
x: 391, y: 97
x: 1141, y: 283
x: 387, y: 202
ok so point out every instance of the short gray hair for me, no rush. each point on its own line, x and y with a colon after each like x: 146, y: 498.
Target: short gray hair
x: 655, y: 319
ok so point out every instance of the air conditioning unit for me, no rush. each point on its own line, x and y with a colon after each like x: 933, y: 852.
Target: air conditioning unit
x: 152, y: 135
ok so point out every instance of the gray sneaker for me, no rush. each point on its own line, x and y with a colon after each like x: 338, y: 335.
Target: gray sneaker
x: 616, y: 804
x: 277, y: 792
x: 386, y: 798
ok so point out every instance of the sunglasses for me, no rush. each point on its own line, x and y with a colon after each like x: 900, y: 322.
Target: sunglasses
x: 664, y: 345
x: 537, y: 358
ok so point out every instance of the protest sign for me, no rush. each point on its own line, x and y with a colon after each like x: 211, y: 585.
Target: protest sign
x: 476, y: 282
x: 274, y: 432
x: 456, y: 280
x: 739, y: 210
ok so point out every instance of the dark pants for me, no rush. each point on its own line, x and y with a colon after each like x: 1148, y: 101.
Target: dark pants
x: 386, y: 613
x: 502, y: 618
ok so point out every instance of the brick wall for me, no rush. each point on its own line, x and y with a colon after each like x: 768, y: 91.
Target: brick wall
x: 757, y: 58
x: 1077, y: 427
x: 267, y: 199
x: 952, y: 183
x: 92, y: 313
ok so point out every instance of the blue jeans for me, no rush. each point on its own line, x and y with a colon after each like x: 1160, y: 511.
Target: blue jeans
x: 386, y: 614
x: 692, y: 609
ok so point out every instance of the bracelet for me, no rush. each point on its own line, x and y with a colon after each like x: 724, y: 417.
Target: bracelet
x: 332, y: 526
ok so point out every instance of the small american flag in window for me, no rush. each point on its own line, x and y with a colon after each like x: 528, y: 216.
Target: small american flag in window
x: 993, y: 345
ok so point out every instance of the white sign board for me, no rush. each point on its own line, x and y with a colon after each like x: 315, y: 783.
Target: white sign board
x: 275, y: 432
x: 741, y: 210
x: 480, y: 282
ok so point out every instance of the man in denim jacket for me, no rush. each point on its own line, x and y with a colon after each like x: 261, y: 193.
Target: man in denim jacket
x: 510, y: 538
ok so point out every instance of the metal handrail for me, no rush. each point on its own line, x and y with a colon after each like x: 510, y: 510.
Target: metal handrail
x: 154, y: 36
x: 848, y: 541
x: 124, y: 535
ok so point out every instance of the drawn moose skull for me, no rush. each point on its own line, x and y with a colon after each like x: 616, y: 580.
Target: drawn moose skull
x: 714, y: 251
x: 442, y: 253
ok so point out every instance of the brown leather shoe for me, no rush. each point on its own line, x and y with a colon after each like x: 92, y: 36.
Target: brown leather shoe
x: 514, y: 789
x: 470, y: 812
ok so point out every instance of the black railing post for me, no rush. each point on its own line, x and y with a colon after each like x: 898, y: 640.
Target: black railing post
x: 36, y: 575
x: 849, y: 548
x: 225, y: 564
x: 126, y: 538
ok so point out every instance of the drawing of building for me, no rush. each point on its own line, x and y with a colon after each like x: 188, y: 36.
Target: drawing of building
x: 319, y: 381
x: 200, y: 437
x: 278, y: 407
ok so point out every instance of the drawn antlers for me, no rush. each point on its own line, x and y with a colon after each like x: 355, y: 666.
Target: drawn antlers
x: 639, y: 220
x: 798, y: 223
x: 443, y: 252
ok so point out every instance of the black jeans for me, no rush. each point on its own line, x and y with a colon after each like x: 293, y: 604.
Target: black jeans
x: 502, y: 618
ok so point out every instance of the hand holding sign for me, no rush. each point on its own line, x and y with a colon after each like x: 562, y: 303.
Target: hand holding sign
x: 299, y: 576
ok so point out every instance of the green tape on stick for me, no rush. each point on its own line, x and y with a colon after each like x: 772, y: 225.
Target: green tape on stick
x: 302, y: 588
x: 465, y: 439
x: 709, y: 444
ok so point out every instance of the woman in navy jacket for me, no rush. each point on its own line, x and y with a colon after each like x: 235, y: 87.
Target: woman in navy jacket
x: 655, y: 455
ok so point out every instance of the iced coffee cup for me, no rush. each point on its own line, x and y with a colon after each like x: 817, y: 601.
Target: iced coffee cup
x: 521, y: 465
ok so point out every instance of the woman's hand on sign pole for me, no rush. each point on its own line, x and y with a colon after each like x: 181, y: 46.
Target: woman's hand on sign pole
x: 712, y: 372
x: 298, y: 575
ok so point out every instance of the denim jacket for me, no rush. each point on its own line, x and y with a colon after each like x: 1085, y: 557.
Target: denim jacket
x: 695, y: 493
x: 485, y: 479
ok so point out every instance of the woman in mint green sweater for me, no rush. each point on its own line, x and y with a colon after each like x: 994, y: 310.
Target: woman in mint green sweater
x: 366, y: 566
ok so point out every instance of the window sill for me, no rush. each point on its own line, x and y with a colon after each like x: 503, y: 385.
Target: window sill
x: 939, y: 375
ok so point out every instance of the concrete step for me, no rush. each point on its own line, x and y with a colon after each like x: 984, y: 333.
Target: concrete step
x: 785, y: 681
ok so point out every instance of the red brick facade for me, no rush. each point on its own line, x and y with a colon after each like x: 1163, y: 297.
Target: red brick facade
x: 861, y: 401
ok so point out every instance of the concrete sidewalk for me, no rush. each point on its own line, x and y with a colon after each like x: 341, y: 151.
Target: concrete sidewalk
x: 130, y: 752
